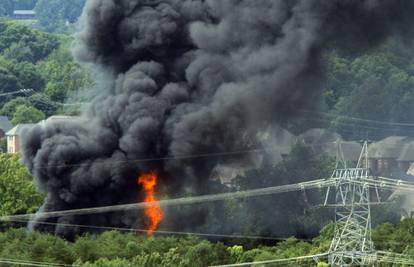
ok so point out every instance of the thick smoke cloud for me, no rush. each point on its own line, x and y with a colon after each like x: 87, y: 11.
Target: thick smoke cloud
x: 182, y: 77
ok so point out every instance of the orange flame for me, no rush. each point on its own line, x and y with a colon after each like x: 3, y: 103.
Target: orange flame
x: 153, y: 212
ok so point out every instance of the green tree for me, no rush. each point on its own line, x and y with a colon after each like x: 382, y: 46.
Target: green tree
x: 8, y: 81
x: 103, y: 262
x: 44, y: 104
x: 27, y: 114
x: 6, y: 7
x: 3, y: 145
x: 53, y: 14
x: 10, y: 107
x: 40, y: 44
x: 28, y: 75
x: 17, y: 191
x: 206, y: 254
x: 63, y: 79
x: 24, y: 4
x: 18, y: 51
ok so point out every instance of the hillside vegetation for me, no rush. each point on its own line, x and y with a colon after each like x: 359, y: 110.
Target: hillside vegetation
x: 31, y: 59
x: 114, y: 249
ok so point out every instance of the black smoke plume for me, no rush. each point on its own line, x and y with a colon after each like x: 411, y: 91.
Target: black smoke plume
x: 183, y: 77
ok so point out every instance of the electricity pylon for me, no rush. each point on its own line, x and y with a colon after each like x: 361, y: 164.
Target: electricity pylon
x: 353, y: 189
x: 352, y: 244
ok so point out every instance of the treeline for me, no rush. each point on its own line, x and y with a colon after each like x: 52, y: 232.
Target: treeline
x: 51, y: 15
x: 115, y: 249
x: 373, y: 85
x: 31, y: 59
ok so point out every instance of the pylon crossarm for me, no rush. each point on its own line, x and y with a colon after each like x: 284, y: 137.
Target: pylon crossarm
x: 389, y: 184
x: 398, y: 184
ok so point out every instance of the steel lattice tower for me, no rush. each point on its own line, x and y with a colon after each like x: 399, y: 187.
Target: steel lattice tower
x: 352, y: 244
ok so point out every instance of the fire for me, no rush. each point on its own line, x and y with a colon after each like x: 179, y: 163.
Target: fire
x: 153, y: 212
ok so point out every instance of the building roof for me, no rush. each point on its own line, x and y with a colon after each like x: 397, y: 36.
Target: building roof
x: 57, y: 118
x: 24, y: 12
x: 5, y: 124
x: 351, y: 149
x: 388, y: 148
x: 17, y: 130
x: 407, y: 153
x: 226, y: 173
x: 277, y: 142
x: 318, y: 136
x: 60, y: 118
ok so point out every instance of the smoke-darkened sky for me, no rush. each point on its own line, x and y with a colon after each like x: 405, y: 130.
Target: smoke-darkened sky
x: 183, y: 77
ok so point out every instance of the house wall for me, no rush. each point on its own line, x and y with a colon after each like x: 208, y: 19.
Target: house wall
x: 384, y: 166
x: 13, y: 144
x: 24, y: 17
x: 404, y: 165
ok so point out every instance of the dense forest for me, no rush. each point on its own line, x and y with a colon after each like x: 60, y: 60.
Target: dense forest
x: 369, y: 86
x: 31, y: 59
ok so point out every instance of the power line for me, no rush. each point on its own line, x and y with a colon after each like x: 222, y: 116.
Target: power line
x: 26, y: 263
x: 184, y: 157
x: 179, y: 157
x: 390, y: 257
x: 383, y: 129
x: 321, y: 183
x: 175, y: 202
x: 48, y: 101
x: 35, y: 263
x: 316, y: 256
x: 358, y: 119
x: 161, y: 232
x: 24, y: 91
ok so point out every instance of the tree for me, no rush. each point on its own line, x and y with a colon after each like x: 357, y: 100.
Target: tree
x: 24, y: 4
x: 27, y: 74
x: 10, y: 107
x: 19, y: 51
x: 53, y: 14
x: 8, y: 81
x: 27, y: 114
x: 63, y: 79
x: 40, y: 44
x: 43, y: 103
x: 6, y: 7
x: 17, y: 191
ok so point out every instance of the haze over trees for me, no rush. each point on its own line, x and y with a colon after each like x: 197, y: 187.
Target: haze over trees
x: 54, y: 15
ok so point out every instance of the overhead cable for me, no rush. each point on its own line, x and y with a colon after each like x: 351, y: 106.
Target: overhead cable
x: 316, y: 256
x: 321, y: 183
x: 161, y: 232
